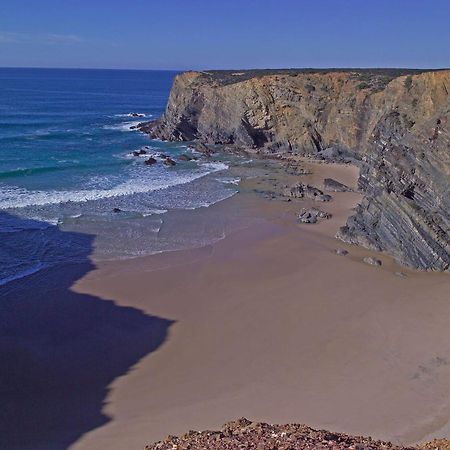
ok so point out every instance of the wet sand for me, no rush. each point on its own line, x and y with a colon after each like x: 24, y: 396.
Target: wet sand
x: 269, y: 323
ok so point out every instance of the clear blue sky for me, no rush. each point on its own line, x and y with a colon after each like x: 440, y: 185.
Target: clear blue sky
x: 195, y: 34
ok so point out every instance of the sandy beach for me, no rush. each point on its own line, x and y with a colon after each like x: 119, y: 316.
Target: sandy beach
x: 269, y: 323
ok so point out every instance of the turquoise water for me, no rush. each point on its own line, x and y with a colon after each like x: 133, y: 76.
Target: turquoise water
x: 65, y: 162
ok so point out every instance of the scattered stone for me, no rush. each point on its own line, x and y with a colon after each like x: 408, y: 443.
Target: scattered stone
x: 335, y: 186
x: 400, y: 274
x: 341, y: 252
x: 372, y: 261
x: 300, y: 190
x: 295, y: 169
x: 117, y: 210
x: 330, y: 153
x: 150, y: 161
x: 169, y: 162
x: 310, y: 215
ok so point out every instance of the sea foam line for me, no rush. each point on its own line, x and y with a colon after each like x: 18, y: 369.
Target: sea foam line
x: 21, y: 197
x: 36, y: 268
x: 123, y: 126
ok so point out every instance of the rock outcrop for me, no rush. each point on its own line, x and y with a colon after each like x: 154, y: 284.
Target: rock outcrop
x: 335, y: 186
x: 394, y: 124
x: 311, y: 215
x: 301, y: 190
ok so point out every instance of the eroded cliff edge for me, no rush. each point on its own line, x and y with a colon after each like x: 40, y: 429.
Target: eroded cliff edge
x: 394, y: 124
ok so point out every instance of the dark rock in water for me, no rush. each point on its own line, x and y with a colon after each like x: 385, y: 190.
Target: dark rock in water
x: 139, y: 152
x: 341, y: 252
x: 136, y: 115
x: 372, y: 261
x: 150, y: 161
x: 185, y: 157
x: 203, y: 148
x: 169, y: 162
x: 300, y: 190
x: 335, y: 186
x: 117, y: 210
x: 310, y: 215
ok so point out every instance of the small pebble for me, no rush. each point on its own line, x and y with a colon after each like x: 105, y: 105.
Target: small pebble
x: 372, y: 261
x: 400, y: 274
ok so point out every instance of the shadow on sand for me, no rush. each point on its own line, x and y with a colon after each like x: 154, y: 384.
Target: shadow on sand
x: 60, y: 350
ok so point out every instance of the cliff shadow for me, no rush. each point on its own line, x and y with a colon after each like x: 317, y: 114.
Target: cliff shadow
x: 60, y: 350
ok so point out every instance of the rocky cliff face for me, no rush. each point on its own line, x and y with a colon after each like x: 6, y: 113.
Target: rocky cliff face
x: 395, y: 125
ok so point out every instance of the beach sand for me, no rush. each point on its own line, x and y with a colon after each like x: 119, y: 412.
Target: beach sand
x: 269, y: 323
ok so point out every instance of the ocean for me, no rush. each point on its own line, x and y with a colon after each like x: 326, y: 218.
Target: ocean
x: 67, y: 170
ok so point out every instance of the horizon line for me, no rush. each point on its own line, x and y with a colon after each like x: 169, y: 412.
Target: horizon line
x: 230, y: 69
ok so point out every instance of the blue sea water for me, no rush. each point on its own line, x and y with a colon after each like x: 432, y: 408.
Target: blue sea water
x: 66, y: 163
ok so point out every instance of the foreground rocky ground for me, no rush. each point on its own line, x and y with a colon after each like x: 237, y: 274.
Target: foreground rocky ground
x: 244, y: 434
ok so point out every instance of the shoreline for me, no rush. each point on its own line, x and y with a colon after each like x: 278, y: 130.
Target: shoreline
x: 321, y: 331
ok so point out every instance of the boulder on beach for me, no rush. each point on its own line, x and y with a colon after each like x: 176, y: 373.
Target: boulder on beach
x: 341, y: 252
x: 372, y: 261
x: 335, y: 186
x: 296, y: 169
x: 311, y: 215
x: 300, y: 190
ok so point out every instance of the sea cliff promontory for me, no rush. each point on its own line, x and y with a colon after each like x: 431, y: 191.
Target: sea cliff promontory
x: 394, y: 124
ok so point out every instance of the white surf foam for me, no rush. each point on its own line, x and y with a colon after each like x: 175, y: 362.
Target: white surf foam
x: 140, y: 115
x: 36, y: 268
x: 234, y: 181
x: 123, y: 126
x: 15, y: 197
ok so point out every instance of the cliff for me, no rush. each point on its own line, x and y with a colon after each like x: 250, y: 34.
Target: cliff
x: 395, y: 124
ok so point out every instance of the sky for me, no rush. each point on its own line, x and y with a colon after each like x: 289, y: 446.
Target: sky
x: 224, y: 34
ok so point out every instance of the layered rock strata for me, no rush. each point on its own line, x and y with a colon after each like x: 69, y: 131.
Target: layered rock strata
x: 394, y: 124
